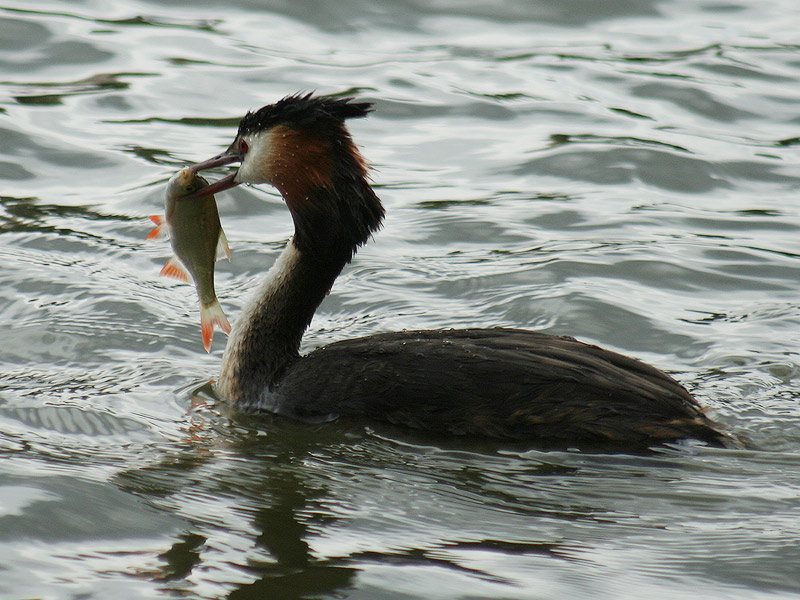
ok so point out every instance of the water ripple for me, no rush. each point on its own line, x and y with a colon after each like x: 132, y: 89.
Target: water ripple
x: 623, y: 172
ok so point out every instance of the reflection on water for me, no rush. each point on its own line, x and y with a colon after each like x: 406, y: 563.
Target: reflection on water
x: 622, y: 172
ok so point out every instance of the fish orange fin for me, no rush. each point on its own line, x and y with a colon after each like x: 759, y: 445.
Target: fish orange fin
x: 159, y: 232
x: 176, y: 270
x: 211, y: 315
x: 222, y: 246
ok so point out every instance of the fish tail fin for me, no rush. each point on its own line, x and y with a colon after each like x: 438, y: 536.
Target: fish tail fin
x: 222, y: 246
x: 176, y: 270
x: 160, y: 232
x: 211, y: 315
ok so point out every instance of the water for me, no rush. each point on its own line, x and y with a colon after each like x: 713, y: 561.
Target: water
x: 624, y: 172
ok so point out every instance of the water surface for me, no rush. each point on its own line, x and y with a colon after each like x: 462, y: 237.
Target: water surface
x: 624, y: 172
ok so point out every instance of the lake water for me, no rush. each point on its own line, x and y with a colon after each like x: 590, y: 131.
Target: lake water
x: 625, y: 172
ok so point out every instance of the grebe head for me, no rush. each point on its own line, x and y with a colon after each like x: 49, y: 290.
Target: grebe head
x: 296, y: 131
x: 301, y: 146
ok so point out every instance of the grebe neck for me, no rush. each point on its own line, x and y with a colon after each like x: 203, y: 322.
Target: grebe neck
x: 302, y: 148
x: 266, y: 337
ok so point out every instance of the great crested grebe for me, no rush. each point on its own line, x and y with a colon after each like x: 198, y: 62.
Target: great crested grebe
x: 503, y: 383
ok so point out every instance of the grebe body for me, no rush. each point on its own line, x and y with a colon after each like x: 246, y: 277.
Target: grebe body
x: 503, y: 383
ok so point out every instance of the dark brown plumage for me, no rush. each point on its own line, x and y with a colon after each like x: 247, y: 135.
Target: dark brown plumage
x: 505, y: 383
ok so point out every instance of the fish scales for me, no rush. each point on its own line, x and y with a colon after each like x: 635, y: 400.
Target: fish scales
x: 198, y: 241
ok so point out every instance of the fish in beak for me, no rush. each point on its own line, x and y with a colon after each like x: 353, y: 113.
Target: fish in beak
x: 198, y: 241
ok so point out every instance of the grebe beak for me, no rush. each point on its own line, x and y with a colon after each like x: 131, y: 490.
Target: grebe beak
x: 225, y: 183
x: 225, y: 158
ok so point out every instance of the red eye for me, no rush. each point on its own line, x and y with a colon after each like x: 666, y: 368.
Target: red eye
x: 243, y: 147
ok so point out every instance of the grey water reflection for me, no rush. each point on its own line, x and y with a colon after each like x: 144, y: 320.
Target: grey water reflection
x: 294, y: 483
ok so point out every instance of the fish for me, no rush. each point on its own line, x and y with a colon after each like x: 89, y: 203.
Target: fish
x: 198, y: 241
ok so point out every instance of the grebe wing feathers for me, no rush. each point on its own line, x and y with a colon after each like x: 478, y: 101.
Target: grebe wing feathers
x: 506, y: 383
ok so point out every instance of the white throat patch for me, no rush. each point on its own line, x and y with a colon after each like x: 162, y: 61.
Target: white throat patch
x: 255, y: 167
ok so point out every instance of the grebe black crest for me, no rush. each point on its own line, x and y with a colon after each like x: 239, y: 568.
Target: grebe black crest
x: 301, y: 111
x: 503, y: 383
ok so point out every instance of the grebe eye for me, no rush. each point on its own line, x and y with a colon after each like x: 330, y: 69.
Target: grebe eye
x: 243, y: 147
